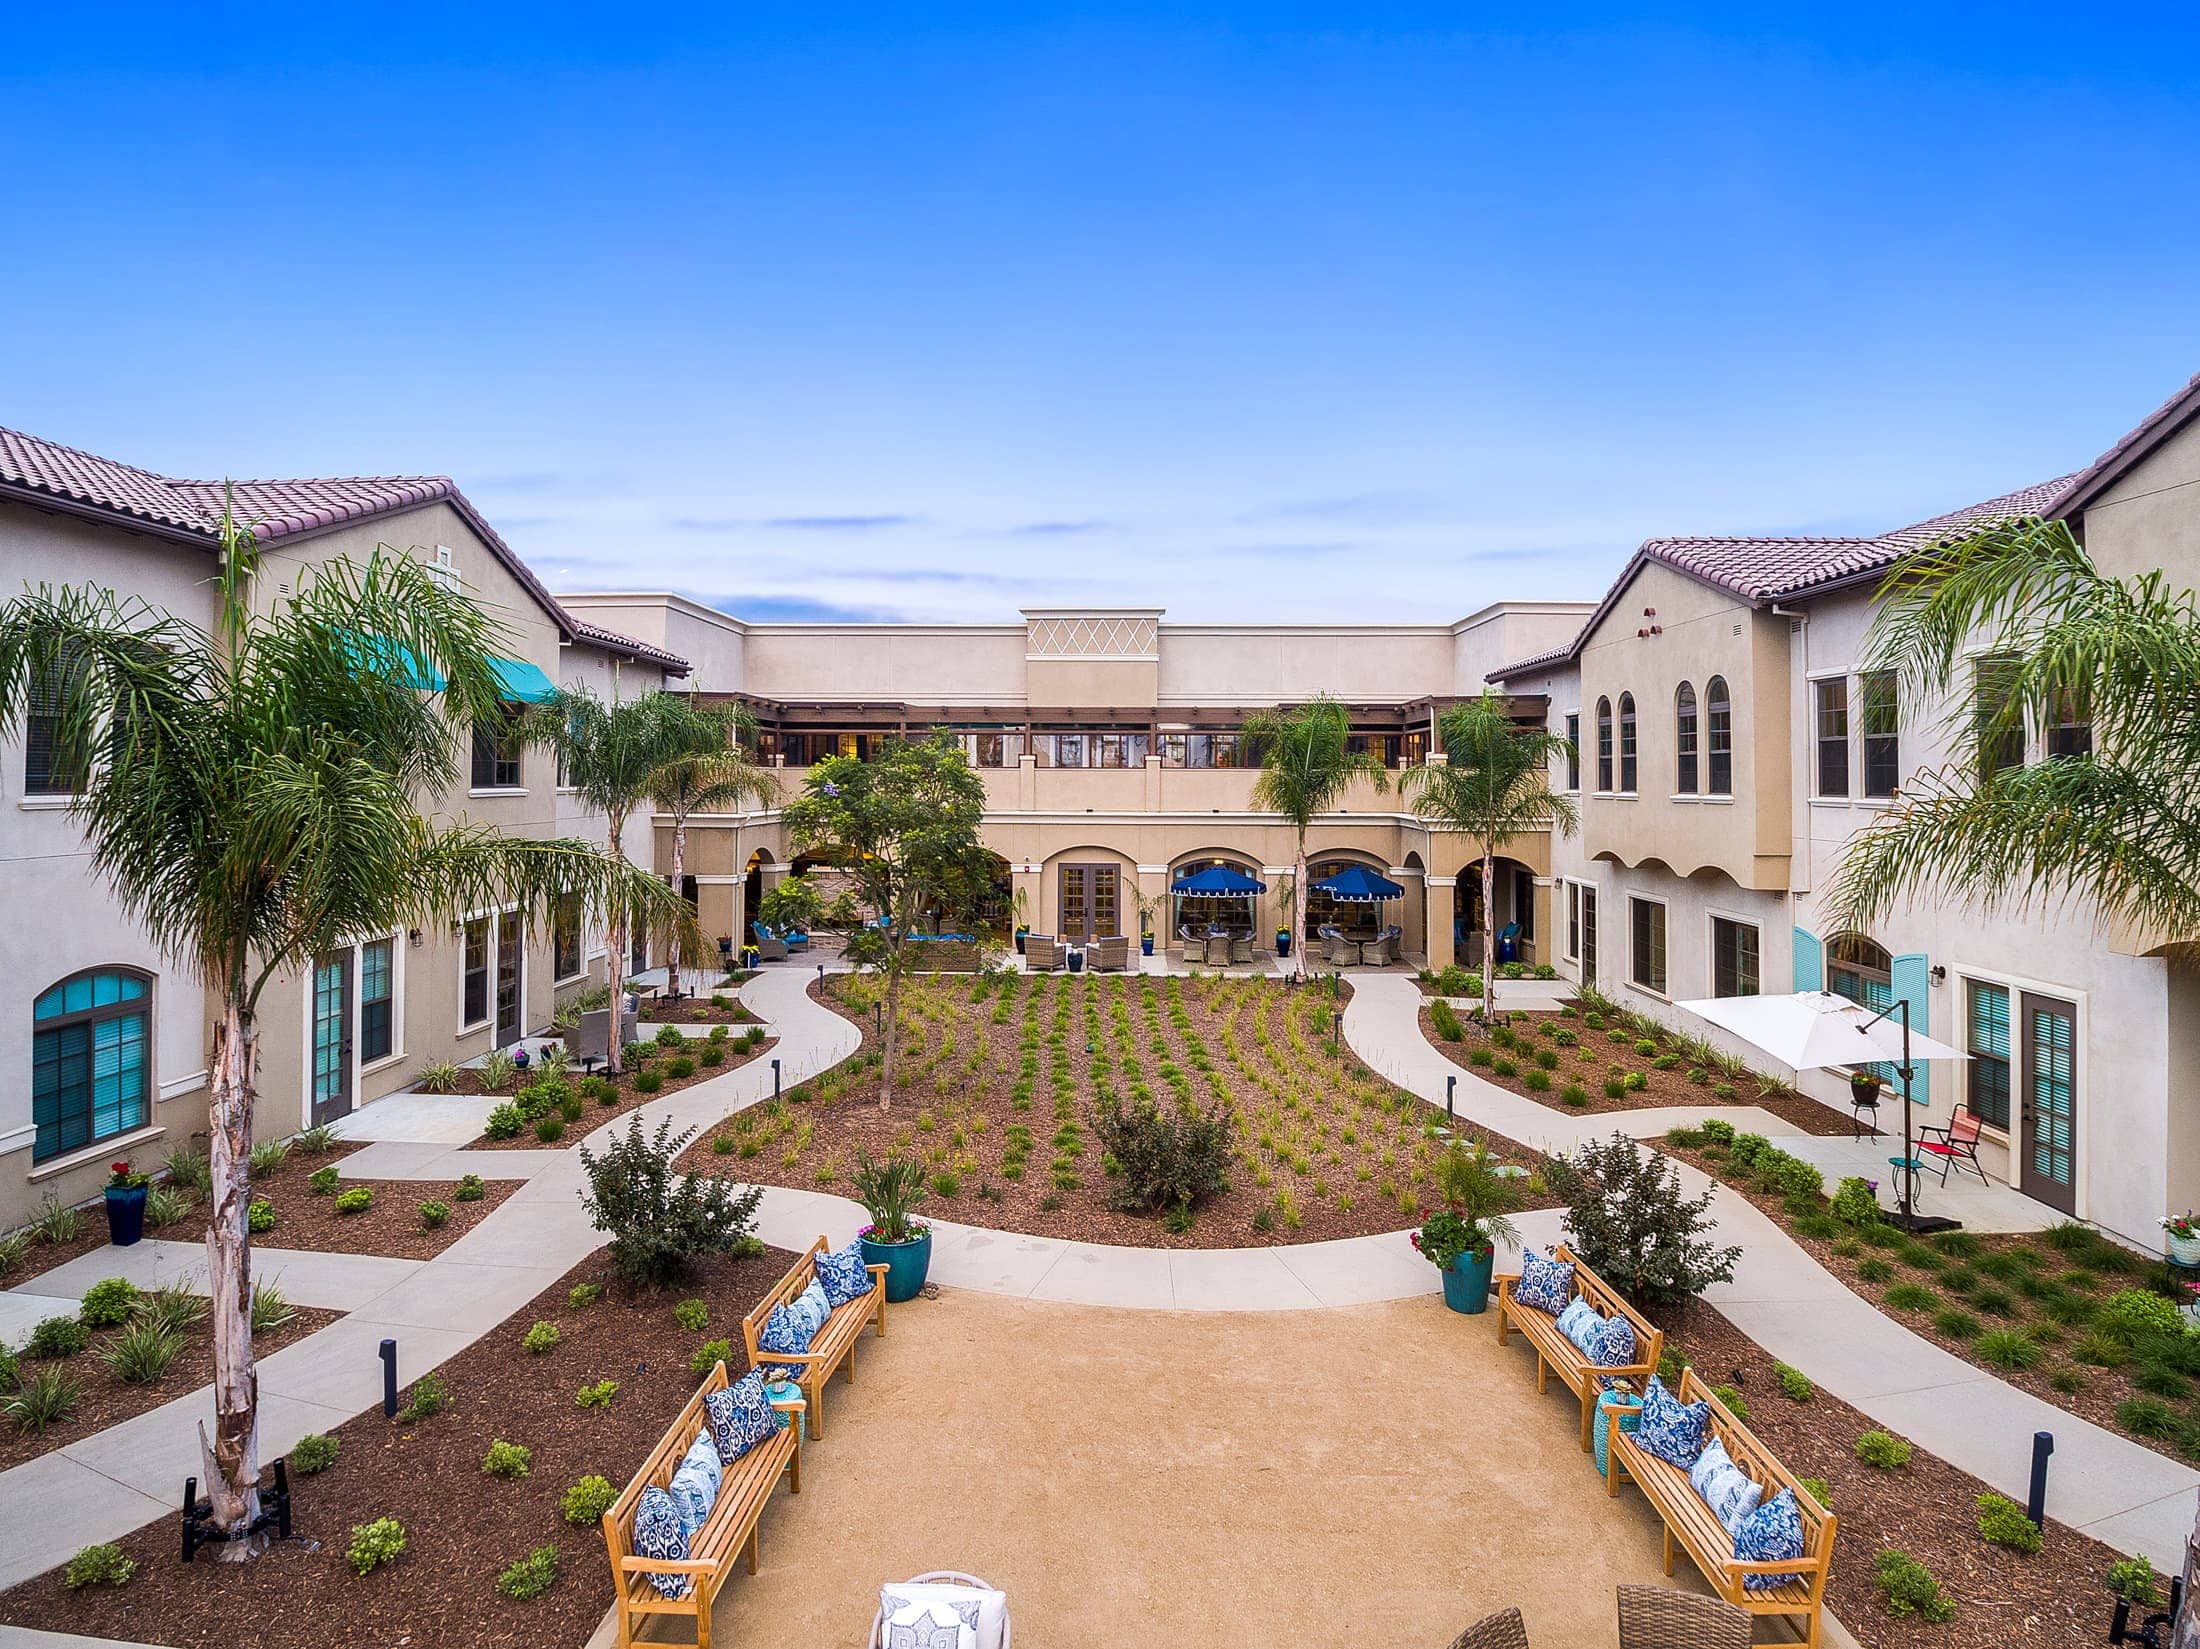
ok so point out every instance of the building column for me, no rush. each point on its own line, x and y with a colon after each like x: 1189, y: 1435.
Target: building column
x: 1440, y: 896
x: 718, y: 901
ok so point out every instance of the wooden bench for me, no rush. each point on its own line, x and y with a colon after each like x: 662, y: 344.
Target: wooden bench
x: 832, y: 1347
x: 1554, y: 1352
x: 1690, y: 1521
x: 729, y: 1530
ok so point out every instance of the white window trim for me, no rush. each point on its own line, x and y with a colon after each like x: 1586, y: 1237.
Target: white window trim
x: 2017, y: 984
x: 99, y: 1150
x: 359, y: 1067
x: 1633, y: 983
x: 498, y: 790
x: 46, y: 802
x: 469, y: 1027
x: 1712, y: 916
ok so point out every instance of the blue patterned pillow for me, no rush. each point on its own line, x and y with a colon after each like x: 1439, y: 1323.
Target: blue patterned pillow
x: 1546, y: 1284
x: 1583, y: 1324
x: 740, y: 1417
x: 1771, y: 1532
x: 1671, y: 1429
x: 813, y: 1307
x: 658, y: 1534
x: 785, y: 1330
x: 1723, y: 1486
x: 844, y: 1275
x: 694, y: 1487
x: 1615, y: 1346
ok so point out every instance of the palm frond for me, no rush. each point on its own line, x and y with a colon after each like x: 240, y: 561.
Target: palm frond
x: 1307, y: 760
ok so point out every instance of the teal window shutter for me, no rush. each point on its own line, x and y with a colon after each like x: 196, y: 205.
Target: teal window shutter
x: 1912, y: 976
x: 1810, y: 961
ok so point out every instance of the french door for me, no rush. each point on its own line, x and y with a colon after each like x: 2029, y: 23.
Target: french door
x: 511, y: 1000
x: 2047, y: 1139
x: 1588, y: 935
x: 1091, y: 902
x: 332, y: 1017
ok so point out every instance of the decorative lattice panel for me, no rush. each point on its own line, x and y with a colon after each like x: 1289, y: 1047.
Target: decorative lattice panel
x: 1095, y: 635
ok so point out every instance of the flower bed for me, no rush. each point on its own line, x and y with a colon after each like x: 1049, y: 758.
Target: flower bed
x: 561, y: 1108
x: 998, y: 1090
x: 1592, y: 1059
x: 462, y: 1528
x: 2034, y: 1310
x: 1926, y: 1508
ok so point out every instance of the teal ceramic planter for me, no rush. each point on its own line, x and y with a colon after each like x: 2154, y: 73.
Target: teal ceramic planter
x: 1466, y: 1284
x: 906, y: 1264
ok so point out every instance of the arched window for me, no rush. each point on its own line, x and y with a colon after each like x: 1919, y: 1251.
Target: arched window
x: 1684, y: 739
x: 1719, y: 715
x: 1604, y: 745
x: 90, y: 1077
x: 1861, y: 970
x: 1627, y: 744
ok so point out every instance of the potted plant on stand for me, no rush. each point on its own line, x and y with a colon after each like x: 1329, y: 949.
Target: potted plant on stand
x: 1287, y: 892
x: 2184, y: 1238
x: 1020, y: 900
x: 1460, y: 1239
x: 888, y: 1191
x: 1147, y: 908
x: 125, y: 1204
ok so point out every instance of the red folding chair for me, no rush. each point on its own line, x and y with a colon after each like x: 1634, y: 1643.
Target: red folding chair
x: 1956, y: 1146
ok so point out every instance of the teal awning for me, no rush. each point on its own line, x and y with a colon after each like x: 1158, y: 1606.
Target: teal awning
x: 385, y: 657
x: 520, y: 682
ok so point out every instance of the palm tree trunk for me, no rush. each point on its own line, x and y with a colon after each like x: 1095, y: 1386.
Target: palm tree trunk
x: 232, y: 1457
x: 679, y: 867
x: 615, y: 963
x: 1298, y: 906
x: 1489, y: 936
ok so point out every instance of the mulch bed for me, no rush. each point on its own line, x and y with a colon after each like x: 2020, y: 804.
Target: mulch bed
x: 1595, y: 1057
x: 695, y: 1010
x: 106, y: 1401
x: 1990, y: 1302
x: 975, y: 1050
x: 462, y: 1528
x: 628, y: 1098
x: 1927, y: 1508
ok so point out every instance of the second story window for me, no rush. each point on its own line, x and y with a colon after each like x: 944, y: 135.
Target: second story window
x: 1627, y: 743
x: 2070, y: 728
x: 1831, y: 709
x: 1604, y: 745
x: 1881, y: 715
x: 1573, y: 751
x: 1718, y: 715
x: 49, y: 769
x: 1684, y: 739
x: 1999, y: 717
x: 497, y: 752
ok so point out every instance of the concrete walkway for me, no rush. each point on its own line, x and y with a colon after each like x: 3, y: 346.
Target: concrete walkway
x: 2108, y: 1486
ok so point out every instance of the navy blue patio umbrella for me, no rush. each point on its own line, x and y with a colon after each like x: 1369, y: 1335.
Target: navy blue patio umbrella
x: 1221, y: 881
x: 1357, y: 885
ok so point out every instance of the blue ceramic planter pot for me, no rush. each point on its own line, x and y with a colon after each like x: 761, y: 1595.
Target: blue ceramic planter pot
x: 906, y: 1264
x: 125, y: 1216
x: 1467, y: 1283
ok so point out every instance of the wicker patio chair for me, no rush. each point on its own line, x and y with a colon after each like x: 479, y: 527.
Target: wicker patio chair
x: 1217, y: 953
x: 769, y: 946
x: 1110, y: 955
x: 1503, y: 1630
x: 1043, y: 953
x: 940, y: 1577
x: 1241, y: 947
x: 1657, y: 1617
x: 1336, y: 948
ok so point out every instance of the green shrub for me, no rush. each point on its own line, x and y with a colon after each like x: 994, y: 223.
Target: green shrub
x: 586, y: 1501
x: 434, y: 1214
x: 1955, y: 1322
x: 1665, y: 1062
x: 1794, y: 1383
x: 505, y: 1122
x: 648, y: 1082
x: 1735, y: 1403
x: 1883, y: 1450
x: 267, y: 1156
x: 270, y: 1310
x: 2002, y: 1521
x: 1645, y: 1046
x: 1615, y: 1087
x: 374, y: 1544
x: 660, y: 1220
x: 1873, y: 1269
x: 1854, y: 1203
x: 1820, y: 1227
x: 1536, y: 1081
x: 107, y: 1302
x: 98, y: 1566
x: 1445, y: 1019
x: 2133, y: 1579
x: 1504, y: 1068
x: 322, y: 1182
x: 44, y: 1399
x: 1910, y: 1297
x: 1574, y: 1094
x: 510, y: 1461
x: 1819, y: 1490
x: 709, y: 1354
x: 1909, y: 1588
x: 470, y: 1189
x: 2008, y: 1348
x: 596, y: 1396
x: 57, y: 1337
x: 539, y: 1338
x: 2147, y: 1417
x: 259, y: 1216
x: 531, y: 1576
x: 357, y: 1200
x: 1174, y: 1156
x: 430, y: 1395
x: 550, y: 1129
x: 1699, y: 1076
x: 313, y: 1453
x: 1717, y: 1130
x: 1629, y: 1222
x: 692, y: 1315
x: 2101, y: 1350
x: 141, y: 1353
x: 679, y: 1067
x: 712, y: 1053
x: 582, y: 1295
x: 2160, y: 1380
x: 2133, y: 1314
x: 1479, y: 1056
x: 670, y: 1036
x: 1634, y: 1082
x: 1546, y: 1059
x: 1747, y: 1148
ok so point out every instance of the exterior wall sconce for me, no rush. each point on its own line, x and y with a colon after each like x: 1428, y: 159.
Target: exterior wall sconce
x: 1939, y: 974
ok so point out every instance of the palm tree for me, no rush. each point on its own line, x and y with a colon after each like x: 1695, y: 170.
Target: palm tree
x: 717, y: 779
x: 255, y: 796
x: 613, y: 755
x: 1493, y: 785
x: 2108, y: 669
x: 1306, y: 764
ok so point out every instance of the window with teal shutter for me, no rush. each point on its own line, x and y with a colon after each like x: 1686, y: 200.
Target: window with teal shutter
x: 89, y: 1077
x: 1861, y: 970
x: 1986, y: 1039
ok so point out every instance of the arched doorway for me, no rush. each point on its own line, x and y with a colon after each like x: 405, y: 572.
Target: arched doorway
x: 1514, y: 919
x: 1232, y: 913
x: 752, y: 889
x: 1355, y: 917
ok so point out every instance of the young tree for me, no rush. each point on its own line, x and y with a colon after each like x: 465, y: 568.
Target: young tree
x: 613, y: 755
x: 1493, y: 785
x: 256, y: 796
x: 903, y: 826
x: 1306, y: 764
x: 711, y: 780
x: 2108, y: 670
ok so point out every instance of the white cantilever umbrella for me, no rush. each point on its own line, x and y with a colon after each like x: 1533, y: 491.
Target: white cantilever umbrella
x: 1811, y: 1029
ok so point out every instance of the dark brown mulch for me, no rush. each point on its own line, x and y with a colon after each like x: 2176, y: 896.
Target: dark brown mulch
x: 106, y: 1401
x: 957, y: 1097
x: 629, y: 1098
x: 462, y: 1528
x: 695, y: 1010
x: 1928, y: 1509
x: 2101, y: 1393
x: 1596, y: 1057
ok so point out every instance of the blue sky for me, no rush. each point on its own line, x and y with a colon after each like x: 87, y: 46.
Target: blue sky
x: 1252, y: 312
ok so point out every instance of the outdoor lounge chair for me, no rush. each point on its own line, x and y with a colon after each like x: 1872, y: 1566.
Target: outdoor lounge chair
x: 1382, y: 948
x: 1503, y: 1630
x: 1345, y: 953
x: 1192, y: 938
x: 1218, y: 950
x: 1241, y: 947
x: 592, y: 1035
x: 1955, y: 1146
x: 1111, y: 955
x: 1659, y: 1617
x: 1043, y: 953
x: 769, y: 946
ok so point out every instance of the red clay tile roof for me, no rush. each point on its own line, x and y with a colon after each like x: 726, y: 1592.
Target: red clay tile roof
x: 49, y: 472
x: 2158, y: 426
x: 1761, y: 569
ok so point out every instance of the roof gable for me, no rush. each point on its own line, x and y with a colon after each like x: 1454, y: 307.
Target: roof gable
x: 2119, y: 460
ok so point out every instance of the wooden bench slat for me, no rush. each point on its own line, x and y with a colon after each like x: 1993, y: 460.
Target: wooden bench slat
x: 1560, y: 1355
x: 832, y: 1348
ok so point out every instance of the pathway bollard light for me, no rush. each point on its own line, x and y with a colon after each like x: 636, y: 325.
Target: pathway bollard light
x: 775, y: 1079
x: 1451, y: 1088
x: 389, y: 1379
x: 2035, y: 1502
